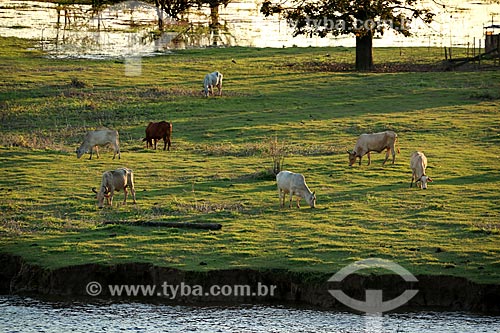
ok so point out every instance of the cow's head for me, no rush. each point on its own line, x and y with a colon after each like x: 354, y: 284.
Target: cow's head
x: 352, y: 157
x: 79, y: 152
x: 311, y: 200
x: 424, y: 180
x: 101, y: 195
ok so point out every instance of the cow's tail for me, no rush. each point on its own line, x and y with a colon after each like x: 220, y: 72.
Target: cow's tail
x: 395, y: 143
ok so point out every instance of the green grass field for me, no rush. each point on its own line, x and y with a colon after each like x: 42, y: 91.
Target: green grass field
x: 217, y: 169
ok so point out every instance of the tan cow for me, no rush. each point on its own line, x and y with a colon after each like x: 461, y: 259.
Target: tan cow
x: 99, y: 138
x: 116, y: 180
x: 374, y: 142
x: 294, y: 183
x: 418, y: 164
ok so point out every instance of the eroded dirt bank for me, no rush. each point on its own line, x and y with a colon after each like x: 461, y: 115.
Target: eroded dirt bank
x: 444, y: 292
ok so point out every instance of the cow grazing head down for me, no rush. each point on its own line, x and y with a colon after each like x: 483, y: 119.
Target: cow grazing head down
x: 210, y: 81
x: 352, y: 157
x: 94, y: 139
x: 418, y: 164
x: 101, y: 195
x: 292, y: 183
x: 158, y: 131
x: 311, y: 200
x: 423, y: 181
x: 80, y: 151
x: 114, y: 181
x: 374, y: 142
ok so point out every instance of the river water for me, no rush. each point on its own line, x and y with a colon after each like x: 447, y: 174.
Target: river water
x: 21, y: 314
x: 126, y: 29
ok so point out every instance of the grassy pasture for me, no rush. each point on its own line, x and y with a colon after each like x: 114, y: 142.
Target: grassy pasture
x: 216, y: 171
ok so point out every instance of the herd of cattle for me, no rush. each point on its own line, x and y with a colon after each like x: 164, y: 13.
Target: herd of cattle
x: 288, y: 182
x: 123, y: 178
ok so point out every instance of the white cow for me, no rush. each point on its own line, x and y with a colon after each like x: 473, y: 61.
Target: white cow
x: 116, y: 180
x: 99, y: 138
x: 418, y: 164
x: 374, y: 142
x: 212, y: 80
x: 294, y: 183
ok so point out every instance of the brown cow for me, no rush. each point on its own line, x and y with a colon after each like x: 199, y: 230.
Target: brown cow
x: 157, y: 131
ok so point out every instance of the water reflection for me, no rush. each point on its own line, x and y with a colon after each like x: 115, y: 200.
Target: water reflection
x: 131, y: 28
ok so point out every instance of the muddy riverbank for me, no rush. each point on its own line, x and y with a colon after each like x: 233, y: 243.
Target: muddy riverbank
x: 442, y: 292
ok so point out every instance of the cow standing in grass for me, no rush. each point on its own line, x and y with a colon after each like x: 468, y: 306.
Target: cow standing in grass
x: 294, y: 183
x: 418, y: 164
x: 374, y: 142
x: 115, y: 180
x: 157, y: 131
x: 93, y: 139
x: 212, y: 80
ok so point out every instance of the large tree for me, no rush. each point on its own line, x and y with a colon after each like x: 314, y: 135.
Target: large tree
x: 362, y: 18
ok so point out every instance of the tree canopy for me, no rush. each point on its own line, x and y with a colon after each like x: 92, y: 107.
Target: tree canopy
x: 362, y: 18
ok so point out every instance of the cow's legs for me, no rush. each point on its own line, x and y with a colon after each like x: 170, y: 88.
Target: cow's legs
x: 125, y: 193
x: 386, y: 155
x: 110, y: 198
x: 97, y: 151
x: 116, y: 150
x: 298, y: 201
x: 393, y: 150
x: 281, y: 197
x: 291, y: 195
x: 369, y: 159
x: 165, y: 143
x: 132, y: 190
x: 412, y: 179
x: 91, y: 148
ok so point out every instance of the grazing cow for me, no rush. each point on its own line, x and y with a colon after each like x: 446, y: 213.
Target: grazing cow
x: 99, y: 138
x: 294, y: 183
x: 116, y: 180
x: 157, y: 131
x: 212, y: 80
x: 418, y: 163
x: 374, y: 142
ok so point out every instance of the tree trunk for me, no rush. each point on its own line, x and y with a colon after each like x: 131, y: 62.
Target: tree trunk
x: 159, y: 12
x: 214, y: 23
x: 364, y: 55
